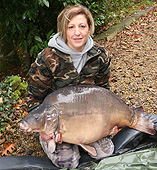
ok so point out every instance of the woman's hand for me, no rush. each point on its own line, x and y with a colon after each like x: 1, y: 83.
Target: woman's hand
x: 46, y: 137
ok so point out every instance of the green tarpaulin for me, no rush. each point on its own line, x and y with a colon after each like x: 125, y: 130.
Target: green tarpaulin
x: 139, y: 160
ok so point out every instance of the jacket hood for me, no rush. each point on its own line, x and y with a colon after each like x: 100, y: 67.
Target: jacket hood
x: 78, y: 58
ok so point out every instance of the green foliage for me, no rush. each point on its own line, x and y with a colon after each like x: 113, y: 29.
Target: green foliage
x: 20, y: 22
x: 40, y: 44
x: 12, y: 89
x: 97, y: 8
x: 104, y: 11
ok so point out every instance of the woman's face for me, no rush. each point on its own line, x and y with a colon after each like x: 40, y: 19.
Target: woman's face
x: 77, y: 32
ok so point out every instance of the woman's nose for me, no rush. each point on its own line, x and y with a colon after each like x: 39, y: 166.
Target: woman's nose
x: 77, y: 31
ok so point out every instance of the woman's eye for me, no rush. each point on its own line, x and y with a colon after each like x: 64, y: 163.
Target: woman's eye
x: 83, y: 26
x: 70, y: 27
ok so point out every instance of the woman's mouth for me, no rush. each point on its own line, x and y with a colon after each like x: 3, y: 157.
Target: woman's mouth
x: 77, y: 39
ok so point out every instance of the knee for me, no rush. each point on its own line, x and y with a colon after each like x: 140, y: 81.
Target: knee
x: 62, y: 162
x: 66, y: 156
x: 104, y: 148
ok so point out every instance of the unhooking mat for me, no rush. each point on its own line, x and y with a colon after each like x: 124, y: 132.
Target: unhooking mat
x: 139, y: 160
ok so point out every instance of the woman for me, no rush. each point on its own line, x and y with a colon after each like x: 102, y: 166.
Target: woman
x: 71, y: 58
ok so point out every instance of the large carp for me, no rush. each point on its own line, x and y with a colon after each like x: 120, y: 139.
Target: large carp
x: 84, y: 114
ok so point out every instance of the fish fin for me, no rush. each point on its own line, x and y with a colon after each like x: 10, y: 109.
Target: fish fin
x: 89, y: 149
x: 114, y: 131
x: 58, y: 138
x: 51, y: 145
x: 143, y: 123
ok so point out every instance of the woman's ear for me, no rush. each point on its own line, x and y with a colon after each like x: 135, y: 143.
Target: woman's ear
x: 89, y: 30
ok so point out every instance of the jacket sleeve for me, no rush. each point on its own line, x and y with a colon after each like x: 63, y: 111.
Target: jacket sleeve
x: 39, y: 82
x: 102, y: 79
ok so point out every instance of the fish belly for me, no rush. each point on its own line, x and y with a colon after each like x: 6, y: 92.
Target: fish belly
x: 84, y: 129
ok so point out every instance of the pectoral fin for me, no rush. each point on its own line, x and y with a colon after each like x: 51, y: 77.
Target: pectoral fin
x: 51, y: 145
x: 58, y: 138
x: 89, y: 149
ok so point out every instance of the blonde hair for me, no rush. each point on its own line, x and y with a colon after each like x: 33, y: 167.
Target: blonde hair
x: 68, y: 13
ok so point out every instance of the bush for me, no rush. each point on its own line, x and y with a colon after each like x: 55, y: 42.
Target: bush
x: 12, y: 89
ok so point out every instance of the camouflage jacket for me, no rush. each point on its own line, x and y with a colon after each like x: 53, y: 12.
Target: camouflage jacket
x: 53, y: 69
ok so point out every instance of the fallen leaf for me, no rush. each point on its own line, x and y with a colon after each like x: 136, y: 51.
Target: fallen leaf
x: 111, y: 79
x: 25, y: 113
x: 144, y: 24
x: 128, y: 33
x: 151, y: 89
x: 127, y: 27
x: 17, y: 106
x: 1, y: 99
x: 2, y: 140
x: 128, y: 63
x: 8, y: 127
x: 20, y: 101
x: 142, y: 7
x: 137, y: 39
x: 136, y: 74
x: 8, y: 148
x: 124, y: 47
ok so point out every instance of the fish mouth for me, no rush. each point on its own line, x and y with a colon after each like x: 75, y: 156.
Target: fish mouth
x: 24, y: 126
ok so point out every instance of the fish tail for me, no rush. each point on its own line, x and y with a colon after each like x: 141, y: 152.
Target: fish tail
x: 143, y: 124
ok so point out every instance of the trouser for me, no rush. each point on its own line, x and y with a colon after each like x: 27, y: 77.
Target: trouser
x: 67, y: 155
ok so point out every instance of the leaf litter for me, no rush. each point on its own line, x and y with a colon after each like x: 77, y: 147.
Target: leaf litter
x: 133, y: 70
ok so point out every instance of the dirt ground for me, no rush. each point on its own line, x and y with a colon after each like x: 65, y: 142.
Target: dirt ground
x: 134, y: 56
x: 133, y: 79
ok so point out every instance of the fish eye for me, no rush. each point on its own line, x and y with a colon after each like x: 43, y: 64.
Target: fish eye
x: 36, y: 117
x: 48, y: 106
